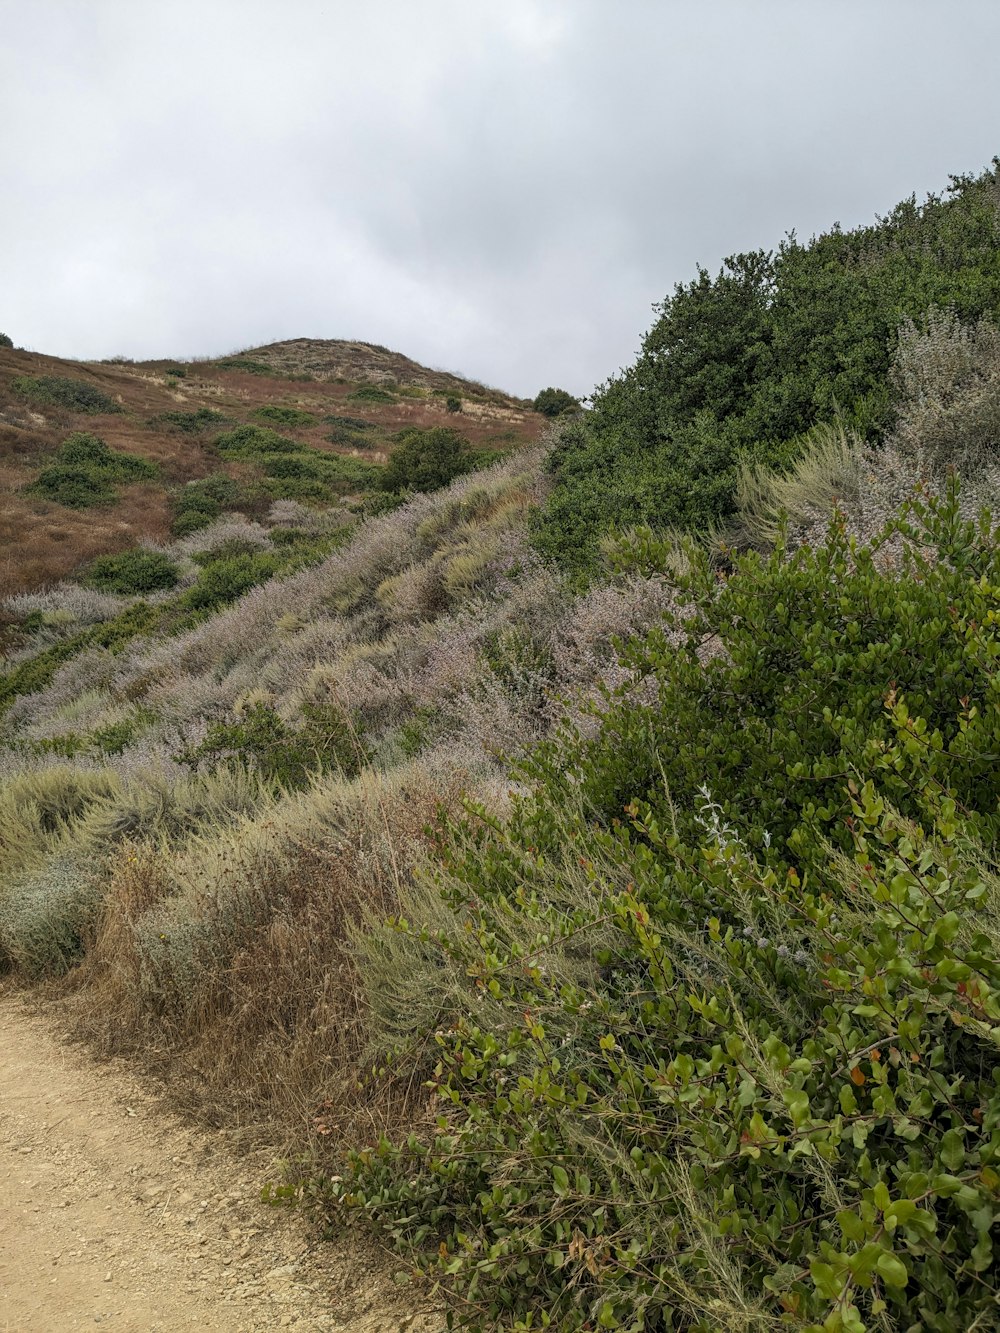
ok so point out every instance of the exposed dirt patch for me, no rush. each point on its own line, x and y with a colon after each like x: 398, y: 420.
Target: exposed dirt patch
x: 116, y: 1214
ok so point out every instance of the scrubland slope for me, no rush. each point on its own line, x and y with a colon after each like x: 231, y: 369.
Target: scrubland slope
x: 590, y: 865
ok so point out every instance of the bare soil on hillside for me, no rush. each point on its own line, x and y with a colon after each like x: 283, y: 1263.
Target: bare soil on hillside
x: 116, y: 1214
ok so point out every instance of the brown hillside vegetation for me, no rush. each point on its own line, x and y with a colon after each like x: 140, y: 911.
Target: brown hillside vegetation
x: 42, y: 541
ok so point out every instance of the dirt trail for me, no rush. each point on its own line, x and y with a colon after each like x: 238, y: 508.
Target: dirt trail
x: 113, y: 1214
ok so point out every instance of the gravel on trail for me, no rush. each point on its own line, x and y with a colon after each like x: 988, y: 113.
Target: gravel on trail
x: 116, y: 1214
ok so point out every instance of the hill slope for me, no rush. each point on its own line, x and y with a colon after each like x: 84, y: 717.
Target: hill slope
x: 691, y: 1020
x: 340, y: 398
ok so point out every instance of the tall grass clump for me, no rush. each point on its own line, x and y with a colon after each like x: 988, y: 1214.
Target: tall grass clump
x: 825, y: 474
x: 710, y: 1021
x: 234, y: 950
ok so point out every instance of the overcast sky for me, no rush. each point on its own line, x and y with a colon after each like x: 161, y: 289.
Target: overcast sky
x: 502, y: 189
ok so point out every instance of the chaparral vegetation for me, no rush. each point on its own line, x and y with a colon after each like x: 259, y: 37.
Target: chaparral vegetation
x: 578, y: 851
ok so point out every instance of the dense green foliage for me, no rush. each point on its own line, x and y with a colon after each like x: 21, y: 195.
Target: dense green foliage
x: 228, y: 575
x: 131, y: 573
x: 425, y: 460
x: 202, y: 501
x: 58, y: 391
x: 86, y: 471
x: 245, y: 364
x: 6, y: 340
x: 741, y: 365
x: 717, y: 1011
x: 351, y: 431
x: 554, y: 402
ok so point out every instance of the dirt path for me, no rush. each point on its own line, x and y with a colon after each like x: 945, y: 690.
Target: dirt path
x: 113, y: 1214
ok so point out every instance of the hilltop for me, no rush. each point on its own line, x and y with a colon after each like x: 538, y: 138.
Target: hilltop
x: 343, y: 399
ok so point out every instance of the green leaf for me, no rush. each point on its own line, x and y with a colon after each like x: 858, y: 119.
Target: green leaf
x: 891, y: 1270
x: 851, y: 1225
x: 952, y: 1150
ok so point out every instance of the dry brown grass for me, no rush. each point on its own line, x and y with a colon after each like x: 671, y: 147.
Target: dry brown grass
x: 42, y: 542
x: 271, y: 1044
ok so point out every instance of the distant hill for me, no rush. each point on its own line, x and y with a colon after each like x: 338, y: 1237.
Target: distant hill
x: 340, y: 398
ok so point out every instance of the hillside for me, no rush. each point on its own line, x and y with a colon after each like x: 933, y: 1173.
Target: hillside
x: 583, y: 866
x: 345, y: 400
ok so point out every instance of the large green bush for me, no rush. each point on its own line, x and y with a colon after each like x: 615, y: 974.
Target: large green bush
x: 296, y: 470
x: 738, y: 367
x: 554, y: 402
x: 288, y: 417
x: 191, y: 423
x: 716, y: 1011
x: 225, y: 578
x: 372, y: 393
x: 425, y: 460
x: 199, y: 502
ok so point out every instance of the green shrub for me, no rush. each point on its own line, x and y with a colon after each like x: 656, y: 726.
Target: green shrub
x: 425, y: 460
x: 453, y: 404
x: 245, y: 364
x: 288, y: 417
x: 294, y: 465
x: 86, y: 472
x: 202, y: 501
x: 6, y: 340
x: 223, y: 580
x: 350, y: 431
x: 554, y: 402
x: 299, y: 488
x: 178, y: 372
x: 84, y: 450
x: 351, y: 439
x: 351, y: 423
x: 739, y: 367
x: 74, y: 487
x: 191, y: 423
x: 250, y: 443
x: 285, y: 756
x: 131, y: 573
x: 715, y: 1011
x: 371, y: 393
x: 57, y: 391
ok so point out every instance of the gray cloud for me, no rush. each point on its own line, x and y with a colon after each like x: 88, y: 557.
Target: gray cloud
x: 502, y: 190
